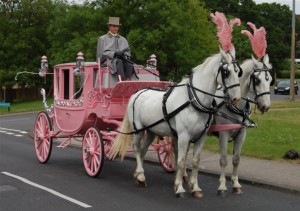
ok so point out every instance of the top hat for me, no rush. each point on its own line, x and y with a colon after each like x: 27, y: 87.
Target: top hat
x: 114, y: 21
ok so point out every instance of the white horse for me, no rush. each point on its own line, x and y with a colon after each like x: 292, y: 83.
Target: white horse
x: 191, y: 103
x: 256, y: 80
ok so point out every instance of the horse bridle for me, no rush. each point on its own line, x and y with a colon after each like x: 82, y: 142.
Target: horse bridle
x: 256, y: 81
x: 225, y: 72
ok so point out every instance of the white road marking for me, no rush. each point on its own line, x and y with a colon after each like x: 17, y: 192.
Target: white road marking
x: 18, y: 135
x: 13, y: 132
x: 8, y: 129
x: 48, y: 190
x: 9, y: 120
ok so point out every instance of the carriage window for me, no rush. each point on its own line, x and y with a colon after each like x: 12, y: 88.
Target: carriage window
x: 78, y: 85
x: 66, y: 73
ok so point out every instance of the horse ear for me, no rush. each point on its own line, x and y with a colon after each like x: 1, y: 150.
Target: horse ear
x: 223, y: 54
x: 232, y: 52
x: 266, y: 59
x: 256, y: 63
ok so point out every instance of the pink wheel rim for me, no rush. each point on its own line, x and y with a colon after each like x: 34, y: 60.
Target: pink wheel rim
x: 42, y: 139
x: 166, y: 154
x: 92, y: 150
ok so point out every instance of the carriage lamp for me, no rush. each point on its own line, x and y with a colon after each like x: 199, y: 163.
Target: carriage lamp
x: 80, y: 60
x: 152, y: 62
x: 44, y: 66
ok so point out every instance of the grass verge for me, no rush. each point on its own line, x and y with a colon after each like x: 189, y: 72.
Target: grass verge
x: 278, y: 131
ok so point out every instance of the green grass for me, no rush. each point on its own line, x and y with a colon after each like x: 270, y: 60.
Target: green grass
x: 278, y: 131
x: 25, y: 106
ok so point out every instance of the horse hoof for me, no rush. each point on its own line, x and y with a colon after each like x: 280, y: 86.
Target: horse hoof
x: 222, y: 193
x: 197, y: 194
x: 180, y: 195
x: 140, y: 184
x: 237, y: 191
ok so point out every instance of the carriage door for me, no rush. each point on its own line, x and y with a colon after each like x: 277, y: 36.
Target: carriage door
x: 69, y: 110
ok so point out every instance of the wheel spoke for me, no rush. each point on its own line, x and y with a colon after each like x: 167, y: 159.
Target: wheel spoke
x: 97, y: 161
x: 46, y: 145
x: 40, y: 126
x: 89, y: 139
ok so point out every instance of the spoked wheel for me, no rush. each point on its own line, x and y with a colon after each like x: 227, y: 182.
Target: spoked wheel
x: 166, y: 154
x: 42, y: 137
x: 93, y: 151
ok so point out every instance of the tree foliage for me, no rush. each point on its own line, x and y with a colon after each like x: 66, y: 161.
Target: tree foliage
x: 274, y: 17
x: 180, y: 33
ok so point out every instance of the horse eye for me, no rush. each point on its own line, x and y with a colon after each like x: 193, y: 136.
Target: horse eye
x: 257, y: 81
x: 226, y: 73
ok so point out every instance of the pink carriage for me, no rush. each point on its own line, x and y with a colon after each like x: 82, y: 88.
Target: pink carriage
x: 89, y: 105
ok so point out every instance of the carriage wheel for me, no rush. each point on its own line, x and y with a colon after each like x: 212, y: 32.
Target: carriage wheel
x: 92, y: 151
x: 42, y: 137
x: 166, y: 154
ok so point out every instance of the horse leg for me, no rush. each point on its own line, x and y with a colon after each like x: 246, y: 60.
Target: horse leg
x: 175, y: 147
x: 193, y: 181
x: 146, y: 143
x: 223, y: 140
x: 138, y: 175
x: 185, y: 175
x: 181, y: 160
x: 238, y: 143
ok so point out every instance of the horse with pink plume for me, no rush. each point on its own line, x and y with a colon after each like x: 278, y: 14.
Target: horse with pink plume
x: 184, y: 112
x: 256, y: 81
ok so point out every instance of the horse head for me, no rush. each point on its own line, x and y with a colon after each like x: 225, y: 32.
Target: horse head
x: 260, y: 82
x: 228, y: 76
x: 260, y: 79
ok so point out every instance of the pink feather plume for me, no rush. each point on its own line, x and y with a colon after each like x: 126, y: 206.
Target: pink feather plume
x: 258, y: 40
x: 224, y: 29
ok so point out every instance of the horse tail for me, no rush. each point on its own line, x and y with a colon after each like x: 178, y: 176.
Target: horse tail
x: 122, y: 141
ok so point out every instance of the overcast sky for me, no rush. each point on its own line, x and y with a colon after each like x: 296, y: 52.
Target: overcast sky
x: 287, y: 2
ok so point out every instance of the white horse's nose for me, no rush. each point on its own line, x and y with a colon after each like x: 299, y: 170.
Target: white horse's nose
x: 235, y: 100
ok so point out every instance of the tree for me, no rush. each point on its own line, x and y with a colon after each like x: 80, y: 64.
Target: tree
x: 178, y: 32
x: 23, y: 38
x: 277, y: 21
x: 77, y: 31
x: 274, y: 17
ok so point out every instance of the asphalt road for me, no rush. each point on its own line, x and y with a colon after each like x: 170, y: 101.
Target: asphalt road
x: 62, y: 183
x: 280, y: 97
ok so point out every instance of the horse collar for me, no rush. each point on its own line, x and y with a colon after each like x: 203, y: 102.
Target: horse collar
x: 195, y: 102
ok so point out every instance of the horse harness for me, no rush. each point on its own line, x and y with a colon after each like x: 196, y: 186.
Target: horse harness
x: 245, y: 113
x: 256, y: 81
x: 193, y: 100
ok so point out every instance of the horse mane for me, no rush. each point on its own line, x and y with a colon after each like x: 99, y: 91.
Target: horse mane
x: 258, y: 40
x: 198, y: 67
x: 204, y: 63
x: 245, y: 64
x: 224, y: 29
